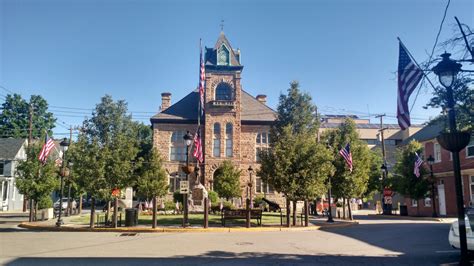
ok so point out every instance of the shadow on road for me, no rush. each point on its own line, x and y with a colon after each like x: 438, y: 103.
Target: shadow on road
x: 218, y: 258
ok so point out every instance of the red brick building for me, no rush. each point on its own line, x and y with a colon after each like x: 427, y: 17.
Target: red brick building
x: 445, y: 193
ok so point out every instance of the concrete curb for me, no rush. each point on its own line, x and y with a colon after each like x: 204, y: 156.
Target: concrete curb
x: 66, y: 228
x: 410, y: 217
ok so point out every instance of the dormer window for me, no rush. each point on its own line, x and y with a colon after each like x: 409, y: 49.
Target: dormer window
x: 224, y: 92
x: 223, y: 56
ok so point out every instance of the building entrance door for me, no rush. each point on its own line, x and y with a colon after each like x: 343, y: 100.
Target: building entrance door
x: 441, y: 200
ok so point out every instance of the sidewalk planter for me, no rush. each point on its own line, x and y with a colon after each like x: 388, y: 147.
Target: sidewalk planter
x: 45, y: 214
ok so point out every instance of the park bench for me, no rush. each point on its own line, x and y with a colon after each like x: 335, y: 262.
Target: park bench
x: 241, y: 214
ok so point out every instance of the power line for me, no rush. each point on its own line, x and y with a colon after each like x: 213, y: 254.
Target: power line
x: 432, y: 52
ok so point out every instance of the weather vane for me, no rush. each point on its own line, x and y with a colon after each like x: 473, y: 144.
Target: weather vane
x: 222, y: 25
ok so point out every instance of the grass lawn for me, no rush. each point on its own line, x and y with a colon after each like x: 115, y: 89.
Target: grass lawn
x: 268, y: 218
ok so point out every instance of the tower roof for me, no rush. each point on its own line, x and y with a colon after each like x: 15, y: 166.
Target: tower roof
x: 211, y: 59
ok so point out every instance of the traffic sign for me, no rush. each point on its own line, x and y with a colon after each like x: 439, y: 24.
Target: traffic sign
x: 184, y: 187
x: 388, y: 200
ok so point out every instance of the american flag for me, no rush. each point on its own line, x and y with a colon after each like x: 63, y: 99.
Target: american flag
x: 202, y: 78
x: 198, y: 146
x: 47, y: 147
x: 409, y: 75
x: 347, y: 155
x: 418, y: 163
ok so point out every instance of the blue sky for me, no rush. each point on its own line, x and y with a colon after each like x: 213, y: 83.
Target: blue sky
x: 344, y: 53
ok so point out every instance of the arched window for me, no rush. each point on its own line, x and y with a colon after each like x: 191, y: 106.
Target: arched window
x: 216, y: 151
x: 178, y: 147
x: 224, y: 92
x: 228, y: 140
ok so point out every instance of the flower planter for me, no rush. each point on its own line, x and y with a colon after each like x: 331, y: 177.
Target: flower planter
x: 454, y: 141
x: 188, y: 169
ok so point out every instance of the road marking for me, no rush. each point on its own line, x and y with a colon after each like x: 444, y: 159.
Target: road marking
x: 446, y: 251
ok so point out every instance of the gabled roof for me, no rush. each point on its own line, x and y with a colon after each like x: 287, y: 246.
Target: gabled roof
x: 428, y: 132
x: 9, y: 148
x: 186, y: 111
x: 211, y: 54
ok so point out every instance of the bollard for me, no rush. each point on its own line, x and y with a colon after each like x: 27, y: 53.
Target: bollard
x: 206, y: 212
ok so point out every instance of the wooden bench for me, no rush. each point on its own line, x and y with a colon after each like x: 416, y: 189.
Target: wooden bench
x: 241, y: 214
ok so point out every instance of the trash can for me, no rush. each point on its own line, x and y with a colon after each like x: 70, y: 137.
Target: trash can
x: 403, y: 210
x: 131, y: 217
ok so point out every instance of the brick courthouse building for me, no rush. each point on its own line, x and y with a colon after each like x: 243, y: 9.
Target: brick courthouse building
x: 236, y: 124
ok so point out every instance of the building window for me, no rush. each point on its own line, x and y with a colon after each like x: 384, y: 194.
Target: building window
x: 216, y: 150
x: 261, y: 144
x: 427, y: 202
x: 437, y: 153
x: 391, y: 142
x: 223, y: 56
x: 470, y: 149
x: 224, y: 92
x: 371, y: 141
x: 174, y: 181
x: 178, y: 146
x: 262, y: 187
x: 471, y: 186
x: 4, y: 190
x: 414, y: 203
x: 228, y: 140
x: 2, y: 167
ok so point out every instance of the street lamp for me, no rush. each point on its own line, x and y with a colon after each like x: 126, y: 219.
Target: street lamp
x: 188, y: 139
x: 382, y: 198
x: 64, y: 145
x: 430, y: 161
x: 250, y: 185
x: 453, y: 140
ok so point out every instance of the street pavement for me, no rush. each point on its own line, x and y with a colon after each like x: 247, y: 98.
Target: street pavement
x: 375, y: 241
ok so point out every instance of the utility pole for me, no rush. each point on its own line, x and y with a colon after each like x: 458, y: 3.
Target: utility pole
x: 30, y: 139
x: 69, y: 205
x: 386, y: 209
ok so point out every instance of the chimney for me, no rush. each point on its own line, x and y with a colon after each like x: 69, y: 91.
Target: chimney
x: 262, y: 98
x: 165, y: 101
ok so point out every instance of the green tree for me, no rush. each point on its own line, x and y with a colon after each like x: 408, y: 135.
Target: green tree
x: 152, y: 179
x: 89, y: 169
x: 227, y: 180
x: 115, y: 133
x: 404, y: 181
x: 15, y: 116
x: 374, y: 184
x: 346, y: 184
x: 296, y: 110
x: 35, y: 180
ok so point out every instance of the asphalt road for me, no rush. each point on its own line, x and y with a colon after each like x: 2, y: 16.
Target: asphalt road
x: 374, y: 242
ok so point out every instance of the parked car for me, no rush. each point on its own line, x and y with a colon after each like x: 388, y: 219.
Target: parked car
x: 454, y: 231
x: 64, y: 204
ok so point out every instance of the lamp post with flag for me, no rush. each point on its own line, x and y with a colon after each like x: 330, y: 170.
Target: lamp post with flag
x: 454, y: 141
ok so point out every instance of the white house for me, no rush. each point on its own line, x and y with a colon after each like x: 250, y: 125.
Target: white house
x: 11, y: 152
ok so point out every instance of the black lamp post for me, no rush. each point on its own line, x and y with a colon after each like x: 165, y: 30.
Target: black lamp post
x: 188, y: 138
x: 64, y: 145
x: 250, y: 185
x: 430, y: 161
x: 453, y: 141
x: 382, y: 197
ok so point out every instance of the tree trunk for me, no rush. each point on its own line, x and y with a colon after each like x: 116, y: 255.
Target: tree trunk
x: 316, y: 207
x: 350, y: 210
x: 80, y: 204
x: 107, y: 213
x: 30, y: 219
x: 294, y: 212
x: 153, y: 224
x: 25, y: 200
x: 114, y: 222
x: 91, y: 222
x: 288, y: 212
x: 36, y: 211
x: 344, y: 208
x: 417, y: 208
x: 306, y: 213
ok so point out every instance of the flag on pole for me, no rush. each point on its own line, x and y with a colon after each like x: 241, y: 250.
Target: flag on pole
x: 46, y: 149
x: 418, y: 163
x: 347, y: 155
x: 409, y: 75
x: 202, y: 78
x: 198, y: 154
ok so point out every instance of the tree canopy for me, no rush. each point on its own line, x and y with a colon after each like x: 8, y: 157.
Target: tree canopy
x: 15, y: 116
x: 152, y: 178
x: 227, y: 180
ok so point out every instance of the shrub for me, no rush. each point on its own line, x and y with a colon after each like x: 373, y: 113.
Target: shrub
x: 258, y: 201
x: 45, y: 202
x: 171, y: 206
x: 213, y: 197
